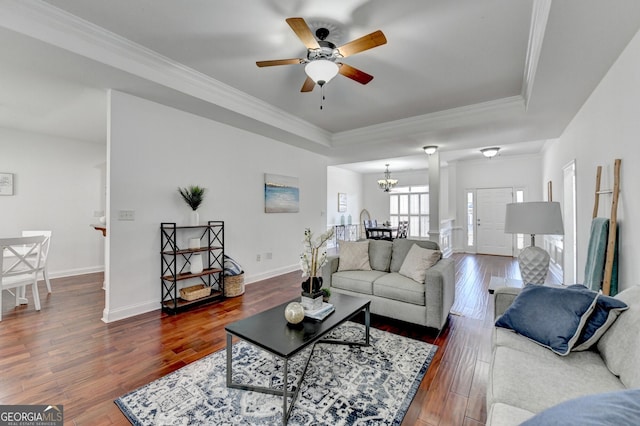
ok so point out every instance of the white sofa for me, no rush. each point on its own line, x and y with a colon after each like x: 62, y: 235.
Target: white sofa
x: 526, y: 378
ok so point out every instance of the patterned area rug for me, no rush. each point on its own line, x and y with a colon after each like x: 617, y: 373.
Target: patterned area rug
x: 343, y: 385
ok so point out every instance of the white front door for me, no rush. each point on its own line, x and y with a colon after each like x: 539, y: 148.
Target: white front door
x: 492, y: 206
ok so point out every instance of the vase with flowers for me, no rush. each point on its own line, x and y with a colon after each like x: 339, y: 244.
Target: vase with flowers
x: 312, y: 259
x: 193, y: 195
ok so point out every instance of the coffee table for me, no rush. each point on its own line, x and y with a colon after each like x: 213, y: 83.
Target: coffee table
x: 270, y: 331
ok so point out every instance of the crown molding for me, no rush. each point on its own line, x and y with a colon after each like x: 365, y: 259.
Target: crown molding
x: 59, y: 28
x: 455, y: 117
x: 539, y: 18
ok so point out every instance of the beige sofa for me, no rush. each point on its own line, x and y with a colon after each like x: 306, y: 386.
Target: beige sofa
x: 393, y: 294
x: 526, y: 378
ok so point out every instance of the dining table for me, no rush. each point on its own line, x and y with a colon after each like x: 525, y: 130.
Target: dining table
x: 381, y: 232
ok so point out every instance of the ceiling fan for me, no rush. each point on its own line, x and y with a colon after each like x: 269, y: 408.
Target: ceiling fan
x: 322, y: 61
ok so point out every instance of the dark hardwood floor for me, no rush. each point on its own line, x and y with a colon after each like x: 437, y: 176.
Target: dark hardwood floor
x: 65, y: 354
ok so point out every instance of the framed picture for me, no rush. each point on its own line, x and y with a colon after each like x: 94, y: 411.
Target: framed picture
x: 281, y: 194
x: 6, y: 183
x: 342, y: 202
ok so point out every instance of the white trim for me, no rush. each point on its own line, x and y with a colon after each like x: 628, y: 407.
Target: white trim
x: 455, y: 117
x: 249, y: 279
x: 129, y: 311
x: 76, y: 271
x: 57, y: 27
x: 539, y: 18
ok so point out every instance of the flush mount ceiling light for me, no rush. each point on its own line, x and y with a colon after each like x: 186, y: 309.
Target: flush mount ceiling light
x: 387, y: 183
x: 490, y: 152
x: 430, y: 149
x: 321, y: 71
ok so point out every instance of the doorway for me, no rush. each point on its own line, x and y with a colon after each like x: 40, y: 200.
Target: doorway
x: 490, y: 214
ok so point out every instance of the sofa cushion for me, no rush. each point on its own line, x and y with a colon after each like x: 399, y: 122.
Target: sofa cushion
x: 380, y: 254
x: 354, y: 256
x: 507, y: 338
x: 620, y: 345
x: 398, y: 287
x: 550, y: 316
x: 357, y: 281
x: 417, y: 261
x: 533, y: 383
x: 603, y: 316
x: 401, y: 247
x: 620, y: 408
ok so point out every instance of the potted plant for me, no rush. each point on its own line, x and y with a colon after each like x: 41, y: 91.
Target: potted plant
x: 326, y: 294
x: 312, y: 259
x: 193, y: 195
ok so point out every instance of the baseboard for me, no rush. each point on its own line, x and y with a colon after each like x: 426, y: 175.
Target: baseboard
x: 143, y: 308
x: 77, y: 271
x: 129, y: 311
x: 272, y: 273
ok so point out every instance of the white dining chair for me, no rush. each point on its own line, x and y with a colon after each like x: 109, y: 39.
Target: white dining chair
x: 20, y: 265
x: 45, y: 253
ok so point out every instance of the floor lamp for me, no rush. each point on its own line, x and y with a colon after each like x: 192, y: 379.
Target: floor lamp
x: 534, y: 218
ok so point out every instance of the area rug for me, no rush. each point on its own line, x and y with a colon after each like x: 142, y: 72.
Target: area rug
x: 343, y: 385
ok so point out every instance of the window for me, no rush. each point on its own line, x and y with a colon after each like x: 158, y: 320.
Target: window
x: 411, y: 203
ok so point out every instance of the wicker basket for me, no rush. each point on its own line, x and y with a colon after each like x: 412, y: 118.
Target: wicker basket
x: 233, y: 285
x: 195, y: 292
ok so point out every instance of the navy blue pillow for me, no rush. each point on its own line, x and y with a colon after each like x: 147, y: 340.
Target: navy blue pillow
x: 603, y: 316
x: 550, y: 316
x: 620, y: 408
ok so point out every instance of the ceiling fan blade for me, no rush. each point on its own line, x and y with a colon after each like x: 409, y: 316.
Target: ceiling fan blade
x: 302, y: 30
x: 279, y: 62
x: 355, y: 74
x: 367, y: 42
x: 308, y: 85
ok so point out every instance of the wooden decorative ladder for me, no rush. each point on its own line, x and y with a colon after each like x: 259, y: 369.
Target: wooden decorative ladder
x: 611, y: 241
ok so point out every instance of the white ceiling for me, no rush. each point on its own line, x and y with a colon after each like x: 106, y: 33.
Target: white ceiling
x: 461, y: 74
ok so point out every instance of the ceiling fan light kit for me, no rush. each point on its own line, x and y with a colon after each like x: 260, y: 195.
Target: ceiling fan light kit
x: 321, y: 62
x: 321, y: 71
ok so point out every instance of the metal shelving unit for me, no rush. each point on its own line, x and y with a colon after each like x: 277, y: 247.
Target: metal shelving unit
x: 175, y: 263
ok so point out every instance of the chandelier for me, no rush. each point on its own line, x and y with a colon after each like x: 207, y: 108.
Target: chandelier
x: 387, y: 183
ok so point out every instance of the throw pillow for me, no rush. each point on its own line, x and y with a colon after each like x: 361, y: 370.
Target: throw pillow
x: 620, y: 408
x: 550, y: 316
x: 605, y: 313
x: 231, y: 267
x: 417, y: 262
x: 354, y: 256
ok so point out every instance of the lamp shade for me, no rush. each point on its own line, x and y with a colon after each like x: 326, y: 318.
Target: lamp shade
x: 321, y: 71
x: 538, y: 217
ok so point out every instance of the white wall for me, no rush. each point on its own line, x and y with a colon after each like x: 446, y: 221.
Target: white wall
x: 58, y: 185
x: 606, y: 127
x: 350, y: 183
x: 498, y: 172
x: 154, y: 149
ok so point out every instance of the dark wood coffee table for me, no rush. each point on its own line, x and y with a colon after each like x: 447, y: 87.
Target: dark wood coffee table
x: 270, y: 331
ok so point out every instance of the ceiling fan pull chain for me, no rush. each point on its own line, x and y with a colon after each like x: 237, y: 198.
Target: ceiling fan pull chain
x: 322, y: 94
